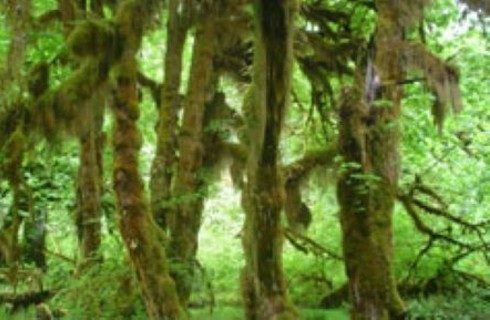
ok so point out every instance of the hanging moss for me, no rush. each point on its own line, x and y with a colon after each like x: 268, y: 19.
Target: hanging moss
x: 132, y: 18
x: 407, y: 12
x: 93, y: 38
x: 441, y: 78
x: 18, y: 15
x: 10, y: 118
x: 67, y: 108
x: 39, y: 79
x: 14, y: 149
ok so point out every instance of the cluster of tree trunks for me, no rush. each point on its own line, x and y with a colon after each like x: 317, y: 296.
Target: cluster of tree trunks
x: 161, y: 235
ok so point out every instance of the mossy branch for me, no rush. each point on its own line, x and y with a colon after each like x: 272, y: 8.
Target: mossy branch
x: 301, y: 168
x: 308, y: 245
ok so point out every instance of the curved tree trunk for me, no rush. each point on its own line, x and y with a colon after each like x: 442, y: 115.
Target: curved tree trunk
x: 142, y: 237
x: 369, y: 143
x: 163, y: 165
x: 264, y: 286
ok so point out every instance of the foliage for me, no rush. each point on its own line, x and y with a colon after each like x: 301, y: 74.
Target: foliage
x: 463, y: 306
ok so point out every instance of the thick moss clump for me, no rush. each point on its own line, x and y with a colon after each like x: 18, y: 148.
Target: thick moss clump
x: 66, y: 108
x: 141, y: 235
x: 132, y: 18
x: 93, y: 38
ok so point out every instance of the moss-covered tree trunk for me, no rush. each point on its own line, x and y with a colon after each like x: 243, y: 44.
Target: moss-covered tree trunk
x: 18, y: 17
x: 367, y: 189
x: 185, y: 221
x: 21, y: 200
x: 264, y: 286
x: 163, y: 165
x: 34, y: 242
x: 142, y: 237
x: 89, y: 186
x: 12, y: 81
x: 89, y: 191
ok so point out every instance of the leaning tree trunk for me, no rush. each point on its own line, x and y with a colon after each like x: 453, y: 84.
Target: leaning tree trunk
x: 166, y: 158
x: 185, y: 221
x: 264, y: 286
x: 142, y: 237
x: 369, y: 143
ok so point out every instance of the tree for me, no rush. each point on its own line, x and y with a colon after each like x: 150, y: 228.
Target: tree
x: 369, y: 145
x: 163, y: 165
x: 90, y: 186
x: 264, y: 287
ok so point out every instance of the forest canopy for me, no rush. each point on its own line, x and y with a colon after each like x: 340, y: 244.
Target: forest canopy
x: 244, y: 159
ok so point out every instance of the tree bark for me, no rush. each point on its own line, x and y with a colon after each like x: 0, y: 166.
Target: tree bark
x: 185, y: 222
x: 18, y: 16
x: 35, y: 238
x: 21, y: 200
x: 89, y: 193
x: 142, y: 237
x: 369, y: 143
x: 89, y: 186
x: 163, y: 165
x: 264, y: 286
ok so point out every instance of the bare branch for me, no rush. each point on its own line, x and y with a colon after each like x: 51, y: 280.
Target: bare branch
x: 307, y: 245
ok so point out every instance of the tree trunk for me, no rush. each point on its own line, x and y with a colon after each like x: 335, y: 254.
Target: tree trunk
x: 185, y: 222
x: 97, y: 7
x: 89, y: 193
x: 35, y: 238
x: 21, y: 202
x: 142, y: 237
x: 18, y: 17
x: 264, y: 286
x: 163, y: 165
x: 369, y: 143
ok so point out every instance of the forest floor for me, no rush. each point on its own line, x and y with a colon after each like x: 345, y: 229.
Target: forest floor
x: 236, y: 313
x: 221, y: 313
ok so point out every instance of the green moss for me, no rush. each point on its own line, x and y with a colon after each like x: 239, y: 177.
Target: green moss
x: 92, y: 38
x: 15, y: 154
x: 39, y: 79
x: 130, y: 20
